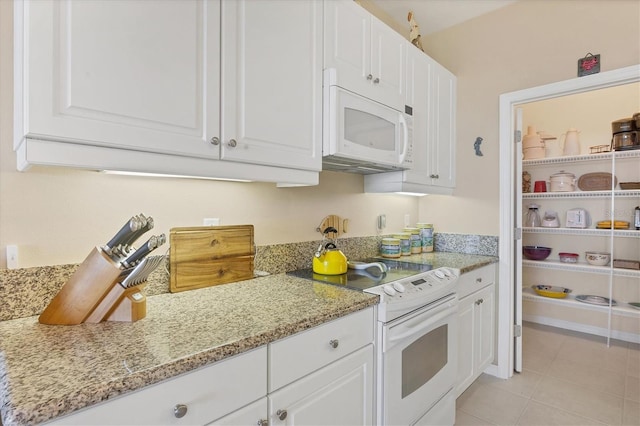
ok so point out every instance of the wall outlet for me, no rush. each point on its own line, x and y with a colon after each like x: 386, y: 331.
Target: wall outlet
x: 407, y: 220
x: 211, y: 221
x: 12, y: 257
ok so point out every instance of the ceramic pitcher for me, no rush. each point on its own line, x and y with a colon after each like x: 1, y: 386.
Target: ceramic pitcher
x: 571, y: 142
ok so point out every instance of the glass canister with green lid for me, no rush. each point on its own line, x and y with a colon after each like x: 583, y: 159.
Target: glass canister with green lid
x: 390, y: 247
x: 416, y: 241
x: 426, y: 236
x: 405, y: 242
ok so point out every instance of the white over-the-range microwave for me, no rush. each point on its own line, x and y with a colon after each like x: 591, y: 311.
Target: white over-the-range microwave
x: 361, y: 135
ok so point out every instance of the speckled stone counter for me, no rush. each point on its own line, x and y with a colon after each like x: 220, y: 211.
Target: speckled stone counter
x: 48, y: 371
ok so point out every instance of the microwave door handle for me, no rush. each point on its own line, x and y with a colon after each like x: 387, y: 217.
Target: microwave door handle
x: 405, y: 139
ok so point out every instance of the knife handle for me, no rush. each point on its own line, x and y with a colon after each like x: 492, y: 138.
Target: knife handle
x: 137, y: 234
x: 148, y: 247
x: 131, y: 226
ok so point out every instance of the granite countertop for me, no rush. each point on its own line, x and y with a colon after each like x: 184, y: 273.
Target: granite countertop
x: 48, y: 371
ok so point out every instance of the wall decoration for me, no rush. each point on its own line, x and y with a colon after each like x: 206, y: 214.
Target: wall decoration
x: 476, y: 146
x: 590, y: 64
x: 414, y: 31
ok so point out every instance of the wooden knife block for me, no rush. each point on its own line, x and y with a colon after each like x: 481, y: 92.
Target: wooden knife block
x: 93, y: 294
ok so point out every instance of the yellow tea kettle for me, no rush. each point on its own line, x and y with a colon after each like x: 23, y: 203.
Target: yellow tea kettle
x: 329, y: 260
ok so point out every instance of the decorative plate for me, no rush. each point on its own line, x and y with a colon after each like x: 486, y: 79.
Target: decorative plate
x: 551, y: 291
x: 598, y: 181
x: 595, y: 300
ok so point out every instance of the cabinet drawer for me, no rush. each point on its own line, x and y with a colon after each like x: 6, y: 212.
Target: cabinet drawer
x: 208, y: 393
x: 475, y: 280
x: 298, y: 355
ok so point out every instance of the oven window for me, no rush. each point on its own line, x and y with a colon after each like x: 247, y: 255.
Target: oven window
x: 369, y: 130
x: 423, y: 359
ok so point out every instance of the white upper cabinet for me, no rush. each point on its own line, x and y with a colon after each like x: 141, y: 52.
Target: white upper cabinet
x: 182, y: 80
x: 128, y: 74
x: 368, y: 55
x: 272, y: 82
x: 431, y: 94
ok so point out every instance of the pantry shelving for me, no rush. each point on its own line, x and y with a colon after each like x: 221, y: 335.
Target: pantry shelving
x: 622, y: 285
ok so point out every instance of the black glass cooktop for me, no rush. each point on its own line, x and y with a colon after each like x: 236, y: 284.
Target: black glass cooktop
x: 358, y: 279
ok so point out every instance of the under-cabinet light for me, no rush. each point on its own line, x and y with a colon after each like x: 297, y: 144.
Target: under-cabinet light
x: 163, y: 175
x: 412, y: 194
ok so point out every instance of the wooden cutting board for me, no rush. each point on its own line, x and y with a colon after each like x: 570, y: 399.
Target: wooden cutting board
x: 210, y: 255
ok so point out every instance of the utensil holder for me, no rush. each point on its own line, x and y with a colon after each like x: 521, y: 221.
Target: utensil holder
x: 94, y: 294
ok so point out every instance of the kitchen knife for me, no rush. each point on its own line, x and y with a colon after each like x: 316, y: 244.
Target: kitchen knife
x: 141, y: 272
x: 151, y: 244
x: 123, y: 234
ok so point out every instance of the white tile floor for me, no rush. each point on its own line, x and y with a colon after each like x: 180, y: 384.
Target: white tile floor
x: 568, y: 378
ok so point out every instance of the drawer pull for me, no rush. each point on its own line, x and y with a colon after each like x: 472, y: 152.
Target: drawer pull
x: 232, y: 143
x: 478, y: 280
x: 215, y: 141
x: 263, y: 422
x: 479, y: 301
x: 282, y: 414
x: 369, y: 77
x: 334, y: 343
x: 180, y: 410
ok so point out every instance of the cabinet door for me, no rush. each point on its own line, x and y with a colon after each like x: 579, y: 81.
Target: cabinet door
x: 442, y: 138
x: 272, y: 83
x: 485, y: 324
x: 388, y: 62
x: 347, y: 43
x: 339, y: 394
x: 127, y: 74
x: 417, y: 97
x: 466, y: 344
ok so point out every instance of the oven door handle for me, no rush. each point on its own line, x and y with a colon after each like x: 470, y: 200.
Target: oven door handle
x: 418, y: 324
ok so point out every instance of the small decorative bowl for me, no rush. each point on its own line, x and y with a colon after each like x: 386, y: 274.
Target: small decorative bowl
x: 568, y: 257
x: 551, y: 291
x: 536, y: 252
x: 597, y: 258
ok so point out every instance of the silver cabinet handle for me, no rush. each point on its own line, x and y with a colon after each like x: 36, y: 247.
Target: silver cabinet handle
x: 282, y: 414
x: 334, y: 343
x: 434, y: 176
x: 478, y: 280
x: 180, y: 410
x: 369, y: 77
x: 232, y: 143
x: 479, y: 301
x: 376, y: 81
x: 214, y: 141
x: 263, y: 422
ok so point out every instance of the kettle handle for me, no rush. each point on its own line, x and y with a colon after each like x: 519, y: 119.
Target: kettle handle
x: 330, y: 246
x: 330, y: 229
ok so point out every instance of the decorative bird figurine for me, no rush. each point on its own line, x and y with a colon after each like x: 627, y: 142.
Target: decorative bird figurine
x: 414, y: 31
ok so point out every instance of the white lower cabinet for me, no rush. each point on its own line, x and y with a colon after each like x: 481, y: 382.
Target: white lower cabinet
x: 338, y: 394
x: 476, y: 325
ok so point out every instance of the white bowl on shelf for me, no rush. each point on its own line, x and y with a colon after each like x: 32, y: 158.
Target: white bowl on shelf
x: 597, y: 258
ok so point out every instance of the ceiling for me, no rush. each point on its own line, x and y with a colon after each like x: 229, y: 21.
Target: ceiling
x: 436, y: 15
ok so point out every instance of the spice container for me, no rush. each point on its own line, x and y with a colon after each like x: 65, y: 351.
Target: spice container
x: 390, y: 247
x: 405, y: 243
x: 416, y: 240
x: 426, y: 236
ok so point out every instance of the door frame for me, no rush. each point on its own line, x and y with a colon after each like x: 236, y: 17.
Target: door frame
x: 509, y: 257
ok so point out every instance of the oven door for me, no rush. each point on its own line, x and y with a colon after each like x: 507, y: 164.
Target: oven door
x: 365, y: 130
x: 419, y: 354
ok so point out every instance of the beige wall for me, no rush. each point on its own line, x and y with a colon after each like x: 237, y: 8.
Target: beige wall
x: 527, y: 44
x: 56, y: 216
